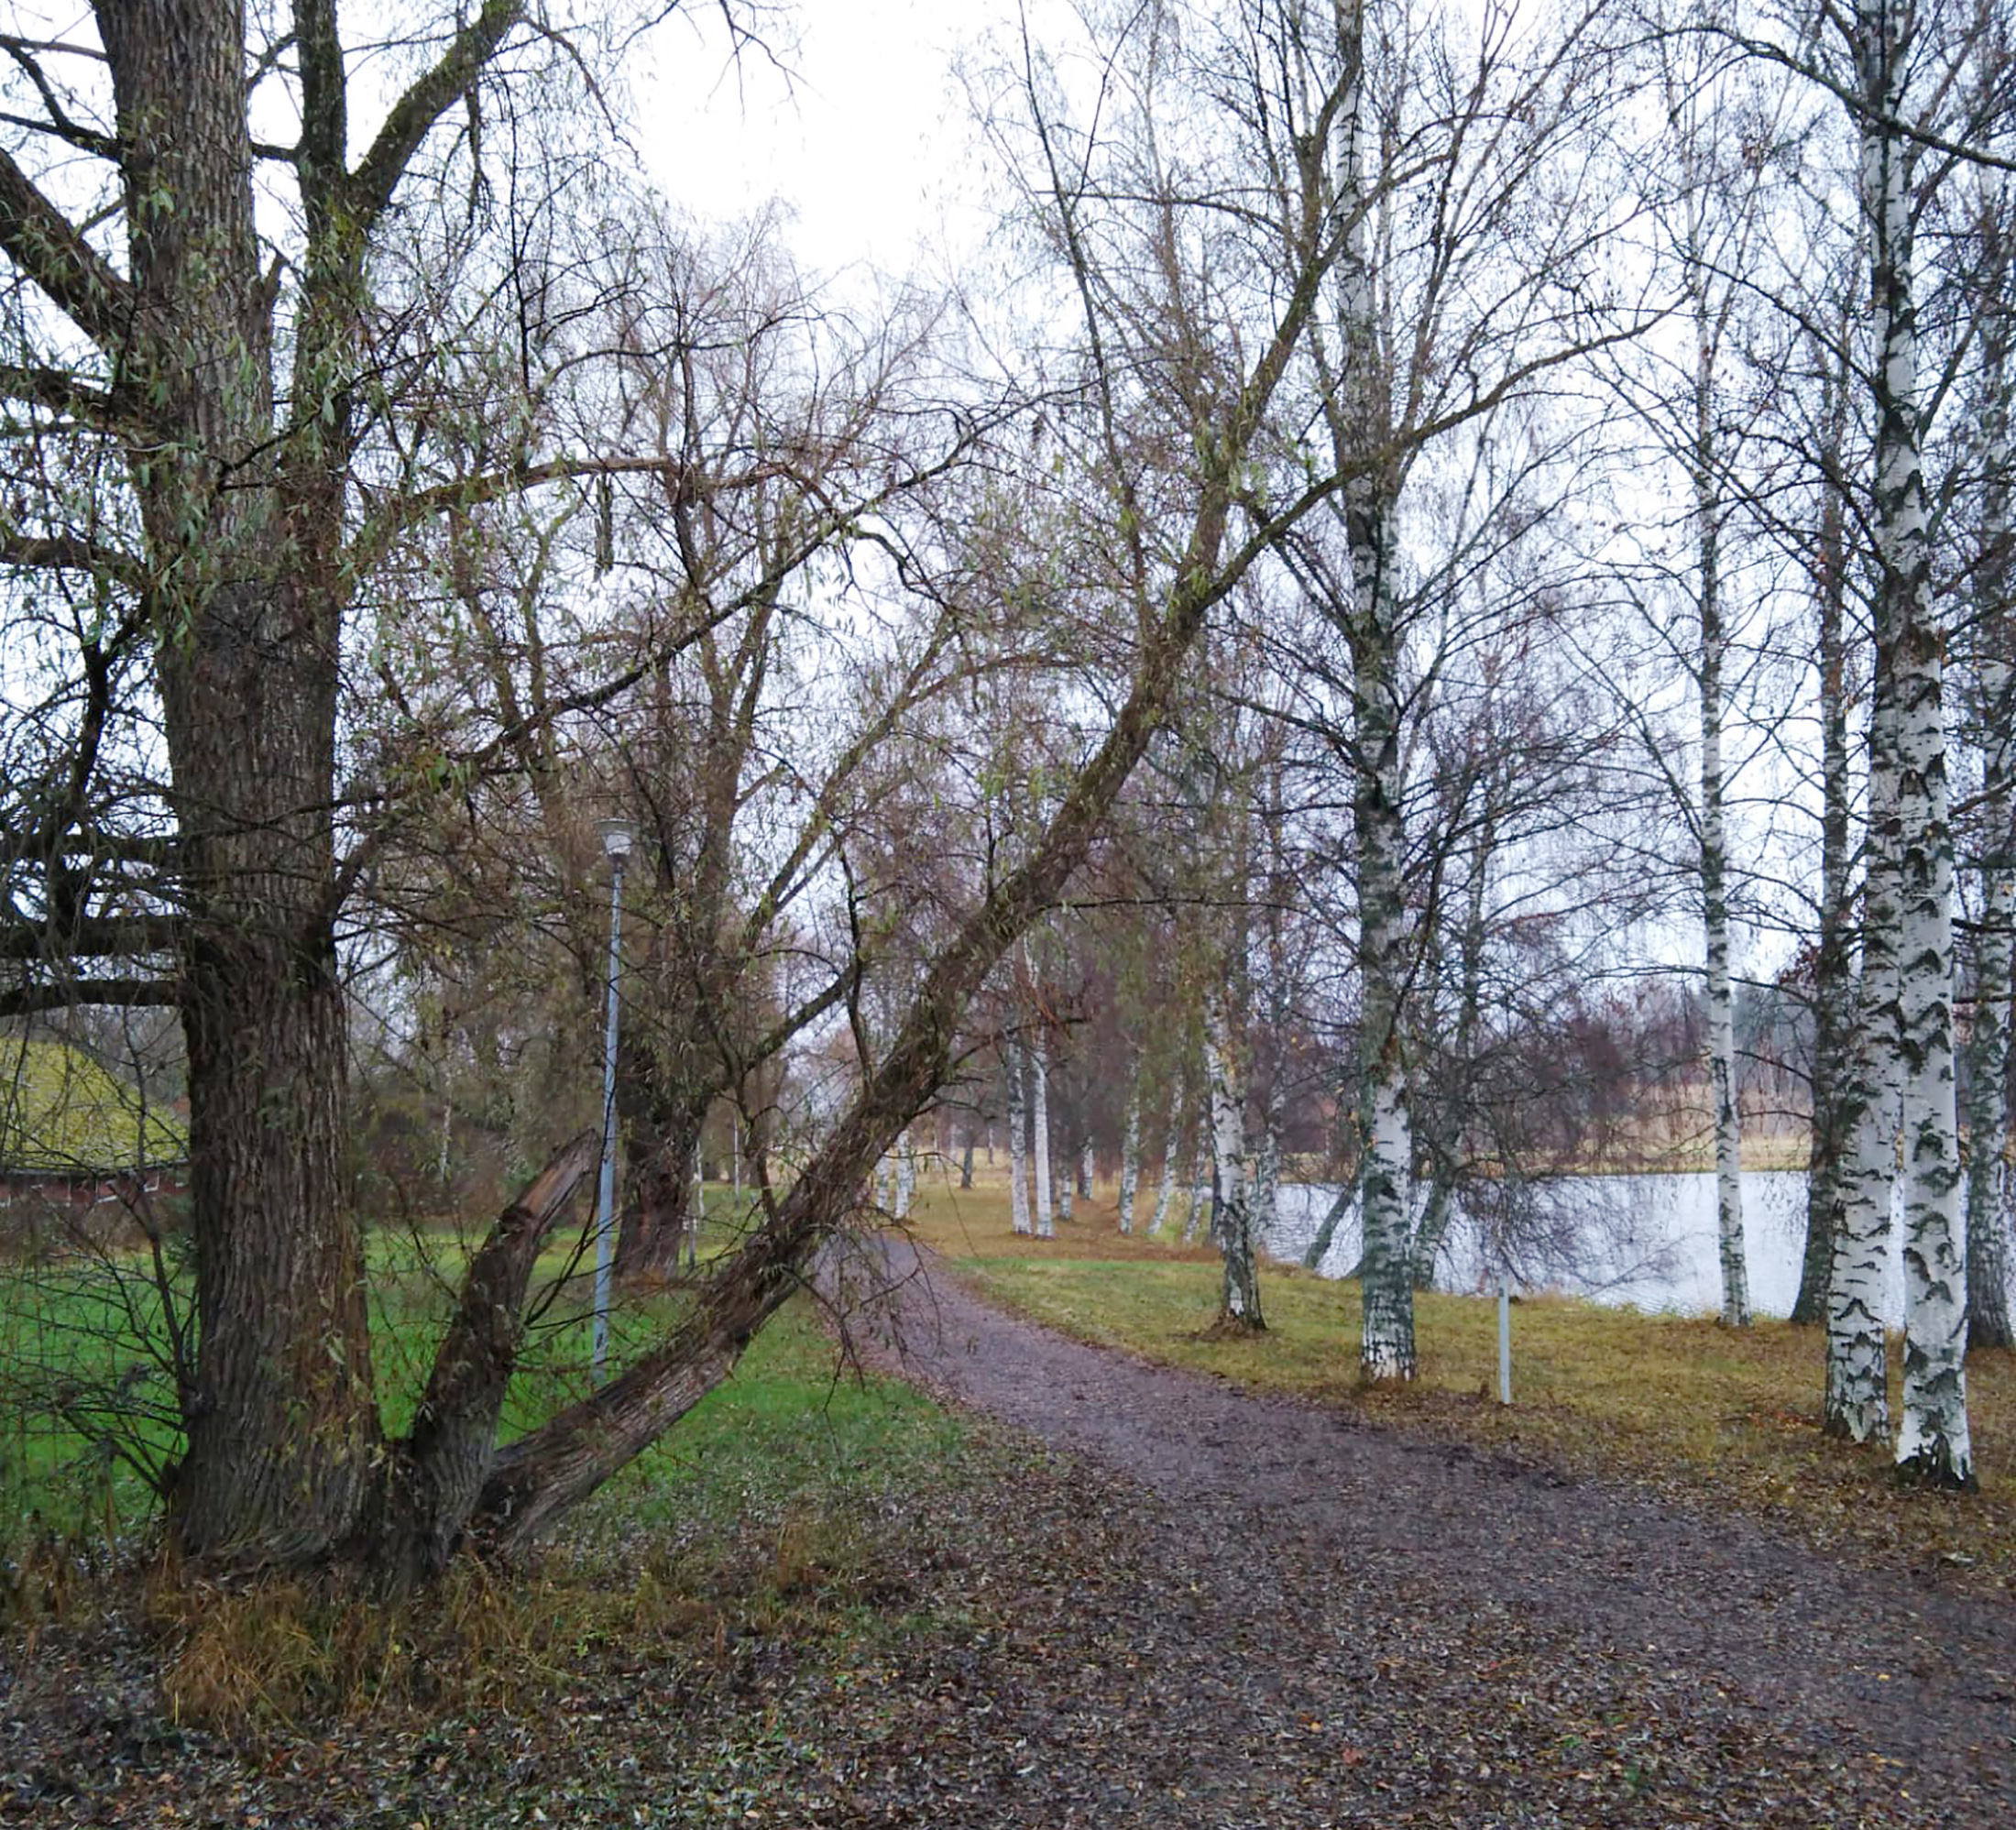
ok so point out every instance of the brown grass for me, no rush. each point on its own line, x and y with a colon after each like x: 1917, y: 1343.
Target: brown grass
x: 1673, y: 1404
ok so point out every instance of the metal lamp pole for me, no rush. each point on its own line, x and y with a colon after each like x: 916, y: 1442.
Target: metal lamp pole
x: 617, y: 835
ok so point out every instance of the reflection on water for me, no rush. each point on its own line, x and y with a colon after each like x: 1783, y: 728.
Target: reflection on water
x: 1645, y: 1240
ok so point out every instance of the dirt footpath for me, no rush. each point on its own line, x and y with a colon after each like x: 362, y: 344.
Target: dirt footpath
x: 1357, y: 1628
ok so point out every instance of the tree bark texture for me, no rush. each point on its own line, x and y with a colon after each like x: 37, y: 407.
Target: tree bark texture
x: 1833, y: 983
x: 1714, y: 862
x: 242, y: 595
x: 1039, y: 1135
x: 1018, y: 1138
x: 1172, y: 1149
x: 1231, y: 1210
x: 1130, y: 1145
x: 1990, y: 1188
x: 1932, y: 1443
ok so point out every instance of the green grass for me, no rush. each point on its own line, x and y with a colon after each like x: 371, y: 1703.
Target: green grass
x: 1678, y: 1405
x: 82, y: 1369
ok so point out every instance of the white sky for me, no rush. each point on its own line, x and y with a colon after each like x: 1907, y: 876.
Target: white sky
x: 864, y: 132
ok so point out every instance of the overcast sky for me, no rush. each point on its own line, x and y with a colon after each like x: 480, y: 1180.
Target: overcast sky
x: 866, y: 137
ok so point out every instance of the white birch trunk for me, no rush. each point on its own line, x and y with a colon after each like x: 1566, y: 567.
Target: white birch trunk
x: 1858, y: 1398
x: 1833, y: 983
x: 1172, y: 1148
x: 1130, y: 1147
x: 1232, y: 1216
x: 1932, y: 1442
x: 1197, y: 1192
x: 1721, y: 1070
x: 907, y: 1177
x: 1267, y: 1171
x: 1086, y: 1167
x: 1040, y: 1141
x: 1358, y: 409
x: 1018, y: 1148
x: 1989, y: 1186
x: 1066, y: 1200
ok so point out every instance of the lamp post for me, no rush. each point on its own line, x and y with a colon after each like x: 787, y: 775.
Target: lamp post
x: 617, y: 835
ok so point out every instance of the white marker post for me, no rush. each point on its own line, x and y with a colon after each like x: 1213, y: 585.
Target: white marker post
x: 1505, y: 1341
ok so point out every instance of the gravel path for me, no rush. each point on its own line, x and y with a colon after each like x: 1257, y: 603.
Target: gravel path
x: 1472, y: 1641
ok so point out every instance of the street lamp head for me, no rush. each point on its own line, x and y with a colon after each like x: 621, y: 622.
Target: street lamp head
x: 617, y: 835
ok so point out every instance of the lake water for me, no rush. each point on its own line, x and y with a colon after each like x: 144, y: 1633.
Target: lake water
x: 1644, y: 1240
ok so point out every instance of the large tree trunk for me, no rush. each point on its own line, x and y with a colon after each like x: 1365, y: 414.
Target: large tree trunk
x: 245, y: 539
x: 1359, y: 412
x: 661, y: 1125
x: 1386, y: 1342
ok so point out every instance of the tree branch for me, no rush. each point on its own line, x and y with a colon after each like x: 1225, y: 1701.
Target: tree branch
x: 75, y: 278
x: 70, y: 993
x: 414, y: 114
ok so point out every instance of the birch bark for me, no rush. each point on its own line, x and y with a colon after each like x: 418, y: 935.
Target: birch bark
x: 1989, y: 1186
x: 907, y: 1177
x: 1932, y: 1444
x: 1230, y: 1211
x: 1834, y: 981
x: 1130, y: 1147
x: 1721, y: 1013
x: 1039, y: 1139
x: 1172, y: 1147
x: 1858, y: 1399
x: 1445, y: 1141
x: 1018, y: 1140
x: 1196, y: 1190
x: 1358, y: 409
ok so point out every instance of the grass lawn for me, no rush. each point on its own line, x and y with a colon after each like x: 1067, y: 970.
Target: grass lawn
x: 81, y: 1370
x: 1678, y: 1405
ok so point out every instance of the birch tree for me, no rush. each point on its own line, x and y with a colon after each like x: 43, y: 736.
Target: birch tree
x: 1430, y: 330
x: 1933, y: 1443
x: 1990, y: 1190
x: 1130, y: 1143
x: 1018, y: 1138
